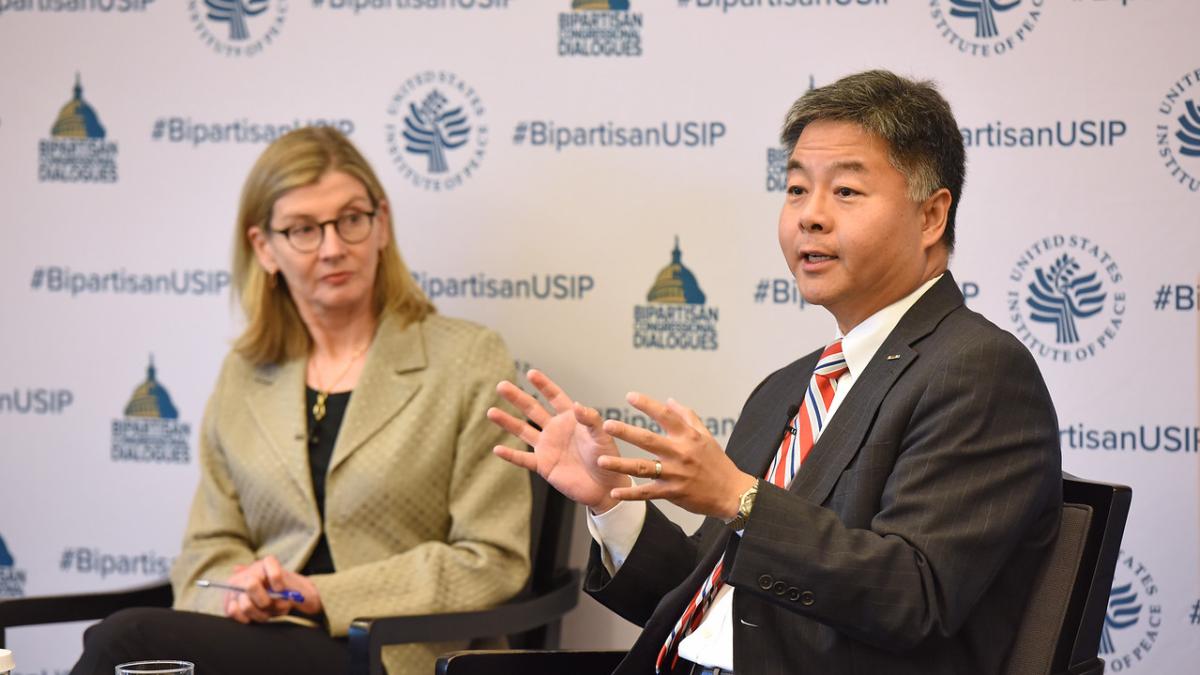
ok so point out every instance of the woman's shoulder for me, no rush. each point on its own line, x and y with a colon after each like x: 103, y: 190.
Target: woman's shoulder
x: 237, y: 371
x: 450, y: 340
x: 448, y: 329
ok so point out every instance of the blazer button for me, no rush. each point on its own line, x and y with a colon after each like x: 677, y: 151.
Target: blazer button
x: 793, y: 594
x: 807, y: 598
x: 780, y: 588
x: 765, y: 581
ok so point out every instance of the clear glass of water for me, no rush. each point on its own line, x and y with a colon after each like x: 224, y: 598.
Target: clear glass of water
x: 156, y: 668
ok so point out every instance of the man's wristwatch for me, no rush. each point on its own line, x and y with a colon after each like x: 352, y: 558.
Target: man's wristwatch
x: 745, y: 503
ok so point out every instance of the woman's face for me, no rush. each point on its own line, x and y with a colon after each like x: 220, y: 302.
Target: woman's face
x: 337, y: 276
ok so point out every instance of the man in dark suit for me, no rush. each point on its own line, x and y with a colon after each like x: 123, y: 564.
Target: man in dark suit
x: 897, y: 522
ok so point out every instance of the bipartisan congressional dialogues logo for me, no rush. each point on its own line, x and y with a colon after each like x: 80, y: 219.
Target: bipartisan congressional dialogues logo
x: 777, y: 158
x: 985, y: 27
x: 237, y: 27
x: 12, y: 579
x: 435, y: 132
x: 151, y: 430
x: 78, y: 150
x: 600, y: 28
x: 1133, y: 619
x: 676, y: 316
x: 1067, y: 304
x: 1178, y: 130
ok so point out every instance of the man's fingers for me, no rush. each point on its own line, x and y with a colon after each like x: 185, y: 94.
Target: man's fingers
x: 643, y: 438
x: 523, y: 459
x: 630, y: 466
x: 592, y: 421
x: 658, y: 411
x: 554, y: 394
x: 687, y: 414
x: 641, y: 492
x: 514, y: 426
x: 527, y: 404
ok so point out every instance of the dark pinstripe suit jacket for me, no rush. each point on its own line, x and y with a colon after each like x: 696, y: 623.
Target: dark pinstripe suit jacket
x: 907, y: 542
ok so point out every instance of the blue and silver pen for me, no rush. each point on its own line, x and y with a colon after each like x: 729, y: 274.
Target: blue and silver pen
x: 287, y: 594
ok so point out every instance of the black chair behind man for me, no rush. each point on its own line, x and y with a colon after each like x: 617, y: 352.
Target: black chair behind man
x: 530, y: 621
x: 1059, y: 633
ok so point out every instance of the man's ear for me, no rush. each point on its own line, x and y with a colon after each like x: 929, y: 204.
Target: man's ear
x: 935, y: 211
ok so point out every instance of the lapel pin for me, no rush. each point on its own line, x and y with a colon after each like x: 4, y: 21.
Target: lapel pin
x: 893, y: 357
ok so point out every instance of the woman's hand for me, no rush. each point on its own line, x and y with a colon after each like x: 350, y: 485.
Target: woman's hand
x: 255, y: 605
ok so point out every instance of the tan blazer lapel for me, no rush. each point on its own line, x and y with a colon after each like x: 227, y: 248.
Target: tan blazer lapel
x: 276, y: 403
x: 385, y: 387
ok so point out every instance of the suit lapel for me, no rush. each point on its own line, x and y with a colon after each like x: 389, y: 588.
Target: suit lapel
x: 765, y: 420
x: 841, y: 440
x: 277, y: 405
x: 384, y: 388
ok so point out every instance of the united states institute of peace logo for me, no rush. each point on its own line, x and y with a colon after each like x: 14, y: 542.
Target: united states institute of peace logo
x: 238, y: 27
x: 151, y: 430
x: 436, y: 133
x: 79, y: 149
x: 1178, y: 131
x: 12, y: 579
x: 986, y: 27
x: 675, y: 316
x: 1067, y: 303
x: 600, y: 28
x: 1134, y: 617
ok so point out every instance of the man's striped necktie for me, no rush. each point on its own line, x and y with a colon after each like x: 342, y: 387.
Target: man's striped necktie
x: 803, y: 431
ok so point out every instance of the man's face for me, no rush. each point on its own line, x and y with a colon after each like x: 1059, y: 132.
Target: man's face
x: 850, y: 234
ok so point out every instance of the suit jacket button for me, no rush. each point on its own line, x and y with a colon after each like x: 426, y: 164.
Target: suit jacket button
x: 807, y: 598
x: 765, y: 581
x: 793, y: 594
x: 780, y: 588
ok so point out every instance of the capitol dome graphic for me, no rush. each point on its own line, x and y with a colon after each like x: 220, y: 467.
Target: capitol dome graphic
x: 675, y: 283
x: 77, y: 119
x: 593, y: 5
x: 150, y: 399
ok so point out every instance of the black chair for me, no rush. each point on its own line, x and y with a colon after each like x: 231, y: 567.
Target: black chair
x: 530, y: 621
x: 1059, y: 633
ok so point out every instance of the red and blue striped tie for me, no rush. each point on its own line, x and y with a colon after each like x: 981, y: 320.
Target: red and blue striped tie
x: 803, y: 431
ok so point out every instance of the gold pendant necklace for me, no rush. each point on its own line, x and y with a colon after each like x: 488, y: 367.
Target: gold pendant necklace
x: 318, y: 409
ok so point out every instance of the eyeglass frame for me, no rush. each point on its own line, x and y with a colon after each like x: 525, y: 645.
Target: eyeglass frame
x: 287, y: 231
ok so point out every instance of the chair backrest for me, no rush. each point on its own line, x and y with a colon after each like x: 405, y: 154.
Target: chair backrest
x: 552, y: 520
x: 1060, y: 629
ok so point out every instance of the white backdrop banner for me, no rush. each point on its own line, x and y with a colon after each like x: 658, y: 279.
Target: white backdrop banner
x: 596, y: 145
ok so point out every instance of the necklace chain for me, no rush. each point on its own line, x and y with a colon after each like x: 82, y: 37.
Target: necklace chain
x: 318, y: 409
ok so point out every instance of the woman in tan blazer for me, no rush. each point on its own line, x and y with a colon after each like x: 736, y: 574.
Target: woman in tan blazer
x: 345, y: 453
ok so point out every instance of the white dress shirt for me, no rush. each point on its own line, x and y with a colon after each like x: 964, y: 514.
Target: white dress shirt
x: 617, y: 529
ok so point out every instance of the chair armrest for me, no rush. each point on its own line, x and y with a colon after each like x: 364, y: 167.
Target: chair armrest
x: 528, y: 662
x: 79, y: 606
x: 369, y: 635
x: 1094, y: 666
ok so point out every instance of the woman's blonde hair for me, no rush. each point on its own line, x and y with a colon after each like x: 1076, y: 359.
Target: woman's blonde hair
x: 274, y: 331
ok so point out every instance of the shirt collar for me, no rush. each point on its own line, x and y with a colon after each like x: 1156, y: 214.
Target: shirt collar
x: 861, y: 343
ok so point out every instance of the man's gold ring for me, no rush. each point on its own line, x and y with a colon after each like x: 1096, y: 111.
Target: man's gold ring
x: 657, y: 470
